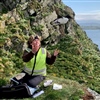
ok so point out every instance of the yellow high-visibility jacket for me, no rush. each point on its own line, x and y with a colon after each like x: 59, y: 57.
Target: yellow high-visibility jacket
x: 40, y: 65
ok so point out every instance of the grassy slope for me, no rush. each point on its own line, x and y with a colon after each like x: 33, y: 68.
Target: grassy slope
x: 71, y: 90
x: 80, y: 64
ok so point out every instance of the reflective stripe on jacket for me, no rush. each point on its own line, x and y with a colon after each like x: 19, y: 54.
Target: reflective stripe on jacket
x: 40, y: 65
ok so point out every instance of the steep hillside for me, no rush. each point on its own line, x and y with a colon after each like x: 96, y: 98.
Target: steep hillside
x: 79, y: 58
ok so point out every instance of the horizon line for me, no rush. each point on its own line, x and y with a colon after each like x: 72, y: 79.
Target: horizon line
x: 80, y: 1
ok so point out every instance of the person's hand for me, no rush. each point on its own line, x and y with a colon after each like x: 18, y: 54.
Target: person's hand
x: 56, y: 52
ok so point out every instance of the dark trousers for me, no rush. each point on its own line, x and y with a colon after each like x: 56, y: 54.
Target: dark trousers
x: 32, y: 81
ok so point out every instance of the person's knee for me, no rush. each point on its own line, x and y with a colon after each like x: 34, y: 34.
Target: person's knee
x: 33, y: 82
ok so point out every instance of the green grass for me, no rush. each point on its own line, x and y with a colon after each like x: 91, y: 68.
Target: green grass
x: 71, y: 90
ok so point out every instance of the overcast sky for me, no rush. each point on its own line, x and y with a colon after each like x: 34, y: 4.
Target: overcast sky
x: 84, y: 9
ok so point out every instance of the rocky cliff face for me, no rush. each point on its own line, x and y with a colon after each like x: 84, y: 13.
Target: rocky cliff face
x: 36, y: 17
x: 79, y: 58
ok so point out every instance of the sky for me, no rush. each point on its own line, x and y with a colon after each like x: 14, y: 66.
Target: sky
x: 84, y: 9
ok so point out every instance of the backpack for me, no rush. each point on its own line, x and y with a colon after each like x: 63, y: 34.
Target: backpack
x: 15, y: 91
x: 18, y: 90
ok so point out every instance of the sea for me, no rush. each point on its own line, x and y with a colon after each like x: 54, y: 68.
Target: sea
x: 92, y: 29
x: 94, y: 35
